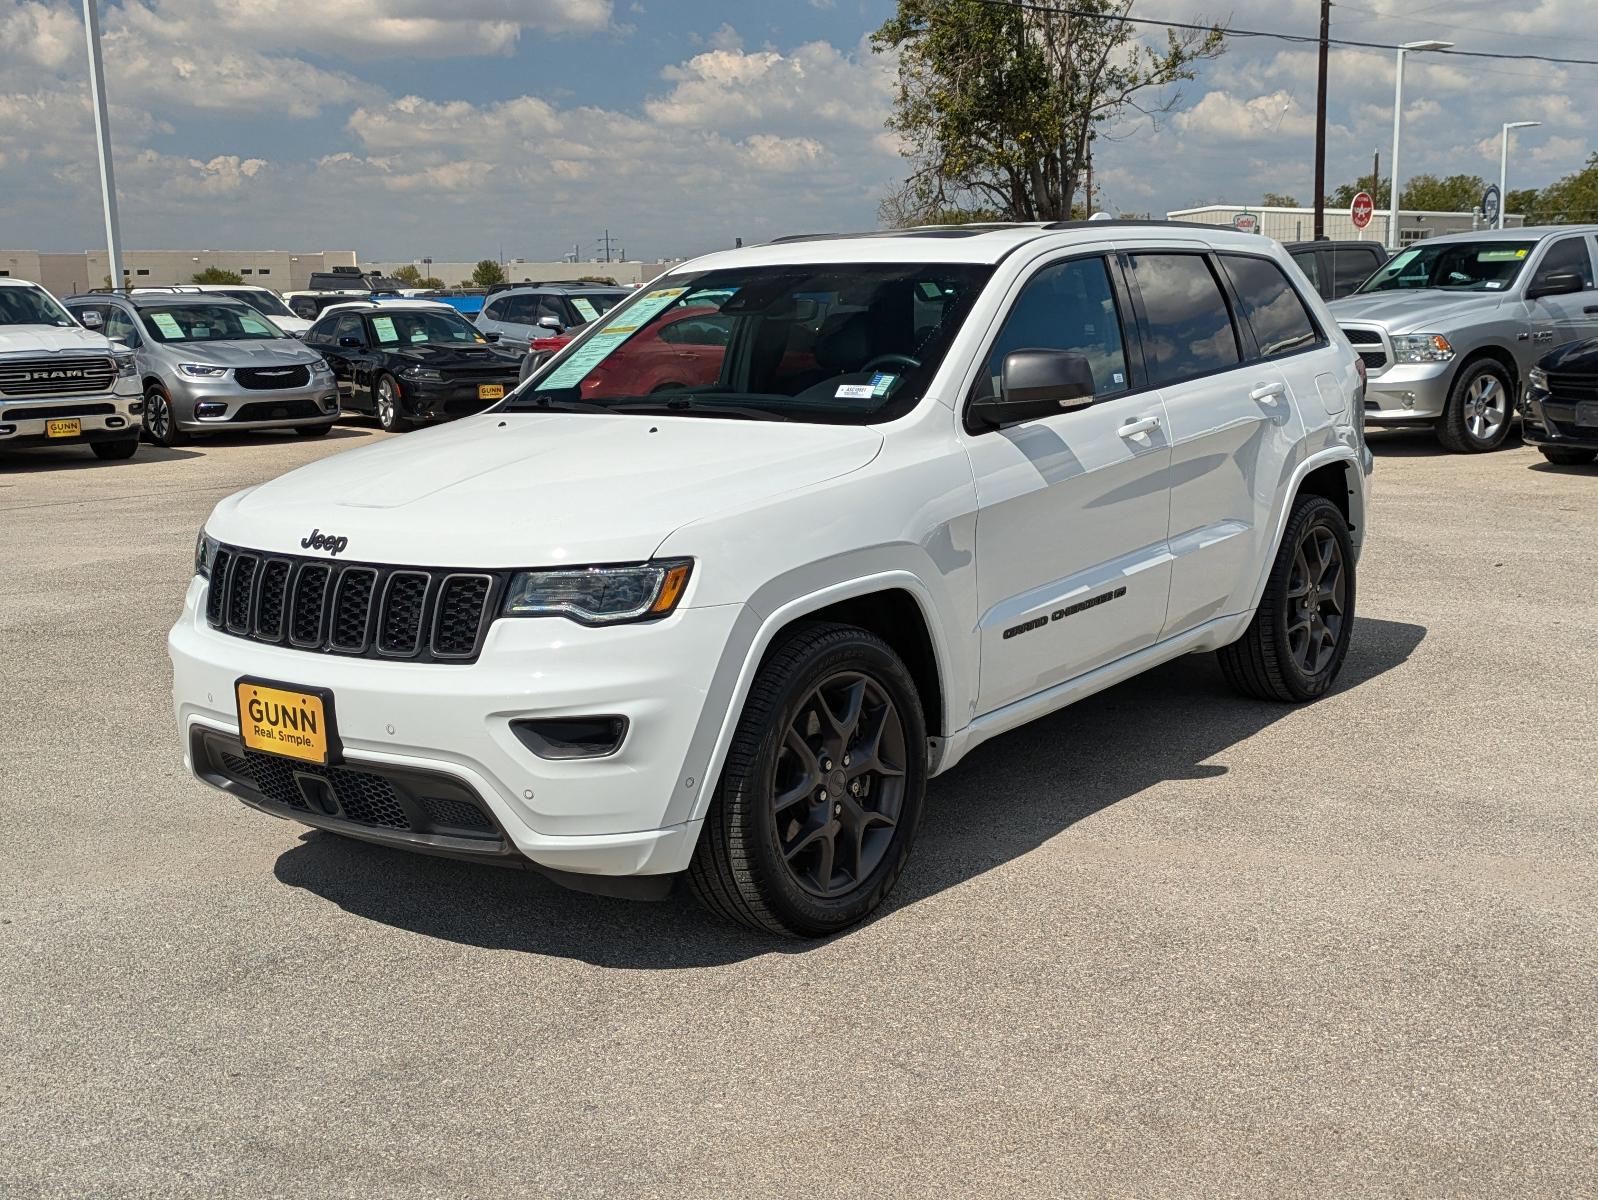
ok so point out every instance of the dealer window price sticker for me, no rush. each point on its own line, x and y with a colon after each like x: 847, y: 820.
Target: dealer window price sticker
x: 603, y: 344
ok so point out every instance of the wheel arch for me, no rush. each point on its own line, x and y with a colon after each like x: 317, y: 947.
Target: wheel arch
x: 1335, y: 474
x: 1490, y: 351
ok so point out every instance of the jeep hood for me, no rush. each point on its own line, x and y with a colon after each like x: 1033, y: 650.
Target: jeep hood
x: 1419, y: 310
x: 538, y: 489
x: 51, y: 339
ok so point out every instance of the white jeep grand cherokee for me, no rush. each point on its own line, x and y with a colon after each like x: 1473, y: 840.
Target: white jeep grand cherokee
x: 721, y: 586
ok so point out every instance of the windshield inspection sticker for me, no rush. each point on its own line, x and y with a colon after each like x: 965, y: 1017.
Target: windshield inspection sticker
x: 1493, y: 284
x: 854, y: 391
x: 881, y: 382
x: 601, y: 344
x: 168, y: 327
x: 384, y: 328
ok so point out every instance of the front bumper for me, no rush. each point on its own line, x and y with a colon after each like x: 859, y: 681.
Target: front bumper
x: 1546, y: 421
x: 427, y: 401
x: 110, y: 417
x: 628, y: 813
x: 199, y: 405
x: 1408, y: 393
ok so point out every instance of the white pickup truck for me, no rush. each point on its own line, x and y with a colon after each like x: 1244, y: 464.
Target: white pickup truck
x: 62, y: 384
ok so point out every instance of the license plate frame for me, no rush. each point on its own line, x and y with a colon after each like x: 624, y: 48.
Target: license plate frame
x: 491, y: 391
x: 321, y: 745
x: 63, y: 427
x: 1587, y: 414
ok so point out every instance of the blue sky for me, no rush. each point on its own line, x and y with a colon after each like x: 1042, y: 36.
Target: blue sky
x: 402, y: 128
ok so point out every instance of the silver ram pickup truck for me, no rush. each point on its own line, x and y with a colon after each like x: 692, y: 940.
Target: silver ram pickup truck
x: 61, y: 384
x: 1449, y: 328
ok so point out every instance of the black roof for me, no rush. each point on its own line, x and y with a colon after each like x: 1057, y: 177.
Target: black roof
x: 164, y: 299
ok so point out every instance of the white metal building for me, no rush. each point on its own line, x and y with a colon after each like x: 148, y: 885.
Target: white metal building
x: 75, y: 271
x: 1298, y: 224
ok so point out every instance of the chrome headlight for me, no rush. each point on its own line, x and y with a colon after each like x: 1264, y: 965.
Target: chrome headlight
x: 320, y: 370
x: 204, y: 554
x: 599, y: 595
x: 1421, y: 347
x: 1537, y: 379
x: 127, y: 365
x: 425, y: 374
x: 203, y: 370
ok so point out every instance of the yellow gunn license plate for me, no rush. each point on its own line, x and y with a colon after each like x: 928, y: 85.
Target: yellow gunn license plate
x: 286, y: 721
x: 491, y: 391
x: 63, y: 427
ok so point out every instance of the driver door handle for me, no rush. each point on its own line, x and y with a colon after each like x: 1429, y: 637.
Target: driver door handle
x: 1591, y: 308
x: 1267, y: 391
x: 1134, y: 429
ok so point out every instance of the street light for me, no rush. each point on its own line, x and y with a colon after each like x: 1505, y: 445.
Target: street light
x: 102, y: 134
x: 1503, y: 165
x: 1398, y: 116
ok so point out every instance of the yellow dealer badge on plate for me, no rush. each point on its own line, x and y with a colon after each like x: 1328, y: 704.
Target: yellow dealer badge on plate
x: 491, y: 391
x: 63, y: 427
x: 285, y: 720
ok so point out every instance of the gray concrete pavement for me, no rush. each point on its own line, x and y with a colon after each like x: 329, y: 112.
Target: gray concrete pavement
x: 1168, y: 942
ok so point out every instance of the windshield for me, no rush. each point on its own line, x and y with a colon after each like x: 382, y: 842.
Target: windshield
x: 262, y: 302
x: 207, y: 323
x: 1489, y: 266
x: 31, y: 306
x: 831, y: 343
x: 419, y: 328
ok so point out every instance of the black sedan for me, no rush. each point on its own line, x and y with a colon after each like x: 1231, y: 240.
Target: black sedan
x: 411, y: 364
x: 1559, y: 414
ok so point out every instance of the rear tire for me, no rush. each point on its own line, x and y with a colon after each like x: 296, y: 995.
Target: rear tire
x: 1564, y: 456
x: 821, y: 793
x: 115, y: 451
x: 1480, y: 406
x: 1296, y: 643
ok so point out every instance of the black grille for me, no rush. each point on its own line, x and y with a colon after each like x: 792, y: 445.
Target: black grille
x: 56, y: 376
x: 264, y: 378
x: 364, y: 798
x: 351, y: 608
x: 460, y: 611
x: 457, y: 814
x: 278, y: 410
x: 1363, y: 337
x: 1373, y: 358
x: 1573, y: 389
x: 51, y: 412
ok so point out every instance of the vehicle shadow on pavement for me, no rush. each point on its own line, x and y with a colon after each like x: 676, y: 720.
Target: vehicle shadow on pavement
x: 1009, y: 797
x: 79, y: 458
x: 1419, y: 442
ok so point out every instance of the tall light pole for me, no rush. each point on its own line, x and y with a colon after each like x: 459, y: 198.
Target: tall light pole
x: 1398, y: 117
x: 102, y: 132
x: 1503, y: 165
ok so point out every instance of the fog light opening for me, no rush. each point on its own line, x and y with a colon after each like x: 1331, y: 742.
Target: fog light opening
x: 209, y: 408
x: 571, y: 737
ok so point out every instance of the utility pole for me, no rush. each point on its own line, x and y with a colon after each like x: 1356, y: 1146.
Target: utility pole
x: 1376, y: 172
x: 1320, y: 123
x: 102, y: 132
x: 606, y: 242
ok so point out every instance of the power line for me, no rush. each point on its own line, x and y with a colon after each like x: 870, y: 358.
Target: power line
x: 1299, y: 38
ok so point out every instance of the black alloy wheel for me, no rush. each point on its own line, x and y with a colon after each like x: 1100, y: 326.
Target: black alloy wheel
x: 839, y: 784
x: 819, y: 798
x: 1295, y: 645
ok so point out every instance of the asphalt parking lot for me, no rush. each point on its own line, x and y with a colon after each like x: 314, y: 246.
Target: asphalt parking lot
x: 1167, y: 942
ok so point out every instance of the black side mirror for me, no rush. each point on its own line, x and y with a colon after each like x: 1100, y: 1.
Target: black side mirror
x: 350, y: 343
x: 491, y: 337
x: 1561, y: 283
x: 1036, y: 383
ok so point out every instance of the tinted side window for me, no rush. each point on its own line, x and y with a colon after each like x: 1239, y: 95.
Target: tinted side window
x: 1189, y: 328
x: 1306, y: 261
x: 1273, y: 310
x: 349, y: 325
x: 1568, y: 255
x: 1350, y: 268
x: 119, y: 327
x: 1067, y: 306
x: 494, y: 310
x: 320, y: 334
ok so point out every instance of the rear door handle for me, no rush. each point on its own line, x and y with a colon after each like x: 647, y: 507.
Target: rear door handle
x: 1591, y: 308
x: 1134, y: 429
x: 1267, y: 391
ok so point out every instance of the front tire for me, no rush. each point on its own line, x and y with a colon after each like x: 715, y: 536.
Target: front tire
x: 1566, y: 456
x: 1479, y: 408
x: 1296, y: 643
x: 386, y: 399
x: 115, y: 451
x: 822, y: 790
x: 160, y: 423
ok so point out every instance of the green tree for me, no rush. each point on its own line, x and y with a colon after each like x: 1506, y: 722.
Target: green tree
x: 1523, y: 201
x: 1381, y: 191
x: 217, y: 275
x: 1568, y: 201
x: 1278, y: 200
x: 431, y: 282
x: 999, y: 105
x: 486, y: 272
x: 1454, y: 193
x: 408, y: 275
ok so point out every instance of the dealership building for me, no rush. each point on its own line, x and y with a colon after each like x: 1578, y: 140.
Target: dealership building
x: 66, y: 272
x: 1298, y: 224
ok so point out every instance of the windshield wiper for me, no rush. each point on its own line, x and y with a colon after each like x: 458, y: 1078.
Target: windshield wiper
x: 552, y: 404
x: 678, y: 405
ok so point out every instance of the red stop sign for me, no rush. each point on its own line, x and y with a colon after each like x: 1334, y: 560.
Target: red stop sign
x: 1361, y: 210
